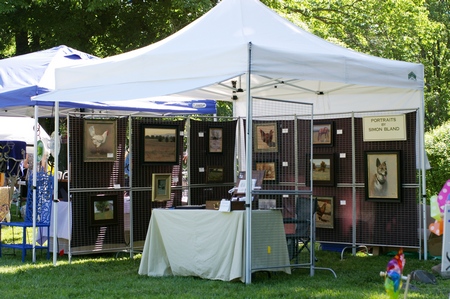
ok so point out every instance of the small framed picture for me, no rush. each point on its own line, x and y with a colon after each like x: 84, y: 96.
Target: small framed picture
x: 99, y: 140
x: 215, y: 140
x: 214, y: 174
x: 325, y: 212
x: 270, y: 171
x: 265, y: 136
x: 159, y: 144
x: 323, y: 170
x: 323, y: 133
x: 103, y: 210
x: 161, y: 186
x: 267, y: 204
x: 383, y: 176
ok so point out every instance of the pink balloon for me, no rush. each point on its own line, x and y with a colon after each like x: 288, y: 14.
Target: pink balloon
x: 444, y: 196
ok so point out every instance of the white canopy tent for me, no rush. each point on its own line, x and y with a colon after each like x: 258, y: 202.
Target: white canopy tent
x: 201, y: 60
x: 246, y: 42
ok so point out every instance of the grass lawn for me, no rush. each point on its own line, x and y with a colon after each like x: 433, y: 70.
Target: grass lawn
x: 106, y: 276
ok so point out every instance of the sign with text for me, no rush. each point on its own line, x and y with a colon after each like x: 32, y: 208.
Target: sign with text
x: 384, y: 128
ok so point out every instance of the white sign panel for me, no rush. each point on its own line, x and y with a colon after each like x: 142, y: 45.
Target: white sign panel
x: 384, y: 128
x: 445, y: 265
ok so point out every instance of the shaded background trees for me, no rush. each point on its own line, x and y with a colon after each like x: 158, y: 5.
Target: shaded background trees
x: 409, y: 30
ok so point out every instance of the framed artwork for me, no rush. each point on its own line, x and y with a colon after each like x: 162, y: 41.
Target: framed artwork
x: 267, y: 204
x: 380, y: 186
x: 270, y: 171
x: 325, y: 212
x: 323, y: 133
x: 99, y: 140
x: 103, y: 210
x: 215, y: 140
x: 214, y: 174
x: 159, y: 144
x: 323, y: 170
x: 161, y: 186
x: 265, y: 137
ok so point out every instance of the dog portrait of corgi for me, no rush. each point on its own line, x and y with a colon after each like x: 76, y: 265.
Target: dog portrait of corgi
x: 383, y: 173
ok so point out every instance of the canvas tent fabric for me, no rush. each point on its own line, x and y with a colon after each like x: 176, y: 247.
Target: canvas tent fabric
x: 24, y: 76
x: 28, y: 75
x: 222, y: 46
x: 22, y: 129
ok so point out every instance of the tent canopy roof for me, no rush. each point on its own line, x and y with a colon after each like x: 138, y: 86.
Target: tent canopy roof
x: 25, y: 76
x: 203, y: 58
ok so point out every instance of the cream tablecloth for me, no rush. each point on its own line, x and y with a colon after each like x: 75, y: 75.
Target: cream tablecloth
x: 210, y: 244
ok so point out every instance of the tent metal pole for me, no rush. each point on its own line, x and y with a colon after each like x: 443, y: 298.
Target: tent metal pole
x: 353, y: 186
x: 188, y: 151
x: 423, y: 166
x: 69, y: 199
x: 55, y: 184
x: 36, y: 112
x: 248, y: 176
x: 130, y: 184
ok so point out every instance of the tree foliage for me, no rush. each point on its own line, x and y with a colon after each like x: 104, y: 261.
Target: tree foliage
x: 437, y: 147
x: 408, y: 30
x: 99, y: 27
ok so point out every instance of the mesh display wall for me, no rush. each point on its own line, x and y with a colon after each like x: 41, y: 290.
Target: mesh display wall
x: 206, y: 167
x: 212, y: 169
x: 386, y: 223
x: 95, y: 178
x: 281, y: 148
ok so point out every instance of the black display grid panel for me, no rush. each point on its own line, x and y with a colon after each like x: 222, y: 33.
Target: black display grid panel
x: 142, y: 174
x: 201, y: 160
x: 377, y: 223
x: 98, y: 176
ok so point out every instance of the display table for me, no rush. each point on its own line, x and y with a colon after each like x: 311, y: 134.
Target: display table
x: 63, y: 226
x: 210, y: 244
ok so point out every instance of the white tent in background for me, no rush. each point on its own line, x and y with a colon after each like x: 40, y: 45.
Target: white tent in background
x: 21, y: 129
x: 266, y: 55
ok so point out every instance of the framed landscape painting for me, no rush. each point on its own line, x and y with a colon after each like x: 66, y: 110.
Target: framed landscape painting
x: 103, y: 210
x: 159, y: 144
x: 215, y: 140
x: 323, y: 170
x: 161, y: 186
x: 214, y: 174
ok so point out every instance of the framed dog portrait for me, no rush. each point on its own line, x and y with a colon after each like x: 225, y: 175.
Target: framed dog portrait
x: 323, y: 170
x: 215, y: 140
x: 103, y: 210
x: 325, y: 212
x: 270, y: 171
x: 161, y: 186
x: 383, y: 176
x: 323, y: 133
x: 99, y: 140
x: 159, y: 144
x: 214, y: 174
x: 265, y: 137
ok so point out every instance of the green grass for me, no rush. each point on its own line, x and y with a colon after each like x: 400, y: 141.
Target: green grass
x: 105, y: 276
